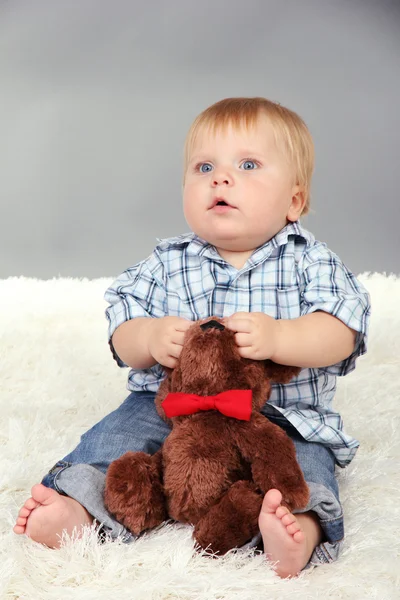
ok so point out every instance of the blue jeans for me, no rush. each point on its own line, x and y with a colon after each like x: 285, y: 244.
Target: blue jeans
x: 136, y: 426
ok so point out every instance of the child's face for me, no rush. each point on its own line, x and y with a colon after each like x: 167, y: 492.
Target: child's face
x: 245, y: 169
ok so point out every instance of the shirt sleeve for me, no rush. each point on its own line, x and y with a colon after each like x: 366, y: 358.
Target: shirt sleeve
x: 138, y: 292
x: 329, y: 286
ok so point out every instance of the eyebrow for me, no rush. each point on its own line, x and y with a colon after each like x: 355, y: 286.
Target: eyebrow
x: 244, y: 153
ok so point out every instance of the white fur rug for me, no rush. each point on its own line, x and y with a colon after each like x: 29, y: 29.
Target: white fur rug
x: 57, y: 378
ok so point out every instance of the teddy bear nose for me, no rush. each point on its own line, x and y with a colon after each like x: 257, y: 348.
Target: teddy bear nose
x: 212, y: 325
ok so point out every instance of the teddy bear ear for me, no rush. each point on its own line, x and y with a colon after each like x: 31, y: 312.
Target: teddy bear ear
x: 280, y: 373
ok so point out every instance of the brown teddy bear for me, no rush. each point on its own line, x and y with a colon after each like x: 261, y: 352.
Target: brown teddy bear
x: 221, y: 456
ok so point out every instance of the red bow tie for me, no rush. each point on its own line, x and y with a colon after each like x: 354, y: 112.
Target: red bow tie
x: 233, y: 403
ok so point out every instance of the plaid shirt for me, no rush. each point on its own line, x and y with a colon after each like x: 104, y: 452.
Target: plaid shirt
x: 289, y: 276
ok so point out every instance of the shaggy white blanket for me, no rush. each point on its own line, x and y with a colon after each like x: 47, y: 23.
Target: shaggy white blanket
x: 58, y: 378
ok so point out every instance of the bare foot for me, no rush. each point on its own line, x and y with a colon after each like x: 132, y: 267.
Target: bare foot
x: 288, y: 540
x: 46, y: 514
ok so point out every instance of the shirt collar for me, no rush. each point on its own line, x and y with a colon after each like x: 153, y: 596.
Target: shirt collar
x: 282, y: 237
x: 198, y: 246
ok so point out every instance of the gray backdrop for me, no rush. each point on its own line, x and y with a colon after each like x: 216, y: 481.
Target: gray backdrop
x: 96, y: 98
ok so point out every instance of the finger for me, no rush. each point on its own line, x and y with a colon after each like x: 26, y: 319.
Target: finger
x: 169, y: 359
x: 170, y: 362
x: 174, y: 350
x: 243, y: 340
x: 240, y: 325
x: 183, y: 324
x: 178, y: 337
x: 247, y: 352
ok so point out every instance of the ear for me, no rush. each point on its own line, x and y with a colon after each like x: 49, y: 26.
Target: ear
x: 297, y: 205
x: 280, y: 373
x: 163, y: 390
x: 175, y: 378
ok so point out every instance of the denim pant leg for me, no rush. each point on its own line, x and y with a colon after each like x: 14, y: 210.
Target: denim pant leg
x: 133, y: 426
x: 318, y: 465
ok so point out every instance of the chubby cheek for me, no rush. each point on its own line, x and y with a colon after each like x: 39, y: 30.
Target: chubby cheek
x: 188, y: 214
x: 193, y: 199
x: 259, y: 188
x: 190, y: 206
x: 268, y: 198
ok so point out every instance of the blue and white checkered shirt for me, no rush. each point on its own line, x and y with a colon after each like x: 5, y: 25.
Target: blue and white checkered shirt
x: 291, y: 275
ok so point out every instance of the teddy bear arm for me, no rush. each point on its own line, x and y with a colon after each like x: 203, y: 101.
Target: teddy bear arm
x: 257, y: 444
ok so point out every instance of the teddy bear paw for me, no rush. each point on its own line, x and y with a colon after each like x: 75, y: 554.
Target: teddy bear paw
x: 134, y: 492
x: 296, y: 496
x: 231, y: 522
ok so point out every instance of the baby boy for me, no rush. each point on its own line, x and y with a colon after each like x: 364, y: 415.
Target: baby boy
x: 247, y: 177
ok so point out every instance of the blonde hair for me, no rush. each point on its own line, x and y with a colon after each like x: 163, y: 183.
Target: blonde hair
x: 290, y: 131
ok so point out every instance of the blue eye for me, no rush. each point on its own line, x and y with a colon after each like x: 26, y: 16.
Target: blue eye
x: 205, y: 168
x: 249, y: 165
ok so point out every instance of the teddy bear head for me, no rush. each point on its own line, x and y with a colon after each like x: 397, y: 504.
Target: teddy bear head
x: 210, y: 364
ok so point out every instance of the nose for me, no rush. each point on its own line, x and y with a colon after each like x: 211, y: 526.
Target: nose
x: 221, y: 177
x: 212, y: 325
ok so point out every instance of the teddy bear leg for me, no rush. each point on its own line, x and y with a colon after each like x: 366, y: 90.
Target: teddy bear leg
x: 134, y: 491
x: 231, y: 522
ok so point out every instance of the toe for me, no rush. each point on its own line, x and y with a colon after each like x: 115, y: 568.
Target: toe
x: 21, y: 521
x: 24, y: 512
x: 42, y: 494
x: 18, y: 529
x: 281, y: 511
x: 293, y: 528
x: 272, y: 500
x: 299, y: 537
x: 30, y: 504
x: 288, y: 519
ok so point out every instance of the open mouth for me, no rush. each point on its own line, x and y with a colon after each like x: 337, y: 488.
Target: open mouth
x: 220, y: 203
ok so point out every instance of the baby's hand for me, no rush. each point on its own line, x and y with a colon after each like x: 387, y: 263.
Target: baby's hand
x: 256, y: 334
x: 166, y: 339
